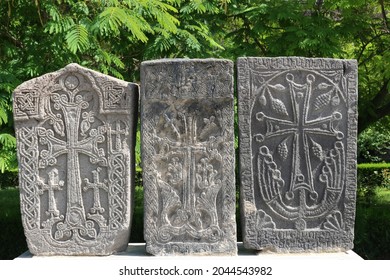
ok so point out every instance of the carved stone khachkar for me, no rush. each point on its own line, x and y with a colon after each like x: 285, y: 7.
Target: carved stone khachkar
x: 298, y: 127
x: 187, y: 119
x: 75, y: 138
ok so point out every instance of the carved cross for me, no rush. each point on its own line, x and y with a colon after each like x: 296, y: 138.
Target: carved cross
x: 300, y: 128
x: 117, y: 132
x: 71, y: 108
x: 188, y: 145
x: 96, y: 185
x: 53, y: 184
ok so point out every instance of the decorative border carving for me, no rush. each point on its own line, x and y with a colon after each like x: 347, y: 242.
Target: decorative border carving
x: 175, y: 83
x: 323, y: 239
x: 95, y: 217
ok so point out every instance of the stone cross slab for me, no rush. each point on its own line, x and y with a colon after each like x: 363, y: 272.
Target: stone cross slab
x: 298, y: 128
x: 187, y: 118
x: 75, y: 131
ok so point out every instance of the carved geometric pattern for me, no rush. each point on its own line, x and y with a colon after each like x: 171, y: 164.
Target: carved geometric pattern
x: 117, y: 173
x: 28, y: 157
x: 26, y: 103
x: 188, y: 157
x: 297, y: 120
x: 75, y: 164
x: 114, y: 97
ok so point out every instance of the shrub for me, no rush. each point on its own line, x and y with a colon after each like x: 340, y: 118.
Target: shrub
x: 372, y: 231
x: 8, y: 179
x: 371, y: 176
x: 374, y: 142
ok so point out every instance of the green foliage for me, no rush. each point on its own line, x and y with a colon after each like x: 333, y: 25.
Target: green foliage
x: 8, y: 160
x: 372, y: 227
x: 77, y: 38
x: 296, y: 28
x: 137, y: 227
x: 374, y: 142
x: 374, y: 166
x: 114, y: 37
x: 372, y: 176
x: 12, y: 240
x: 193, y: 37
x: 340, y: 29
x: 8, y: 179
x: 7, y: 139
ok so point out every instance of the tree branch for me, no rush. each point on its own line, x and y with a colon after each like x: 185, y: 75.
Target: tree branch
x: 256, y: 40
x: 15, y: 41
x: 365, y: 118
x: 381, y: 95
x: 365, y: 45
x: 385, y: 22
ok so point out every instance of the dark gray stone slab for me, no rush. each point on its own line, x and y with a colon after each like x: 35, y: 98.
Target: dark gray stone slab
x: 298, y: 128
x: 75, y: 142
x: 188, y: 156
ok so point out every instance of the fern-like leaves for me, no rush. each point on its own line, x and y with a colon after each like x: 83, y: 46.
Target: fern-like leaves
x: 112, y: 19
x: 77, y: 38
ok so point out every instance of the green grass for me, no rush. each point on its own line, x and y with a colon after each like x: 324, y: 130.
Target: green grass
x: 12, y: 238
x: 383, y: 196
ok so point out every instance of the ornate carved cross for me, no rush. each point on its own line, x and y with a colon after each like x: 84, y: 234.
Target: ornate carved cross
x: 189, y: 145
x: 300, y: 128
x: 71, y: 104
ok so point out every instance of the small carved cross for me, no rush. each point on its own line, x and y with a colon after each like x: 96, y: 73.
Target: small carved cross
x: 96, y: 185
x: 118, y: 132
x: 53, y: 184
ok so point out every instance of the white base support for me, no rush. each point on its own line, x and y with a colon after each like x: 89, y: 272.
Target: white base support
x: 135, y: 263
x: 137, y: 250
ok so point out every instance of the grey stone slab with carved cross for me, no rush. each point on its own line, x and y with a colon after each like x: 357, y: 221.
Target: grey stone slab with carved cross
x: 75, y: 143
x: 187, y: 118
x: 298, y: 127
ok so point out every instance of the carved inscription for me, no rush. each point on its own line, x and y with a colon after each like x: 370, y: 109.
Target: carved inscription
x: 188, y: 157
x: 297, y: 121
x: 74, y: 164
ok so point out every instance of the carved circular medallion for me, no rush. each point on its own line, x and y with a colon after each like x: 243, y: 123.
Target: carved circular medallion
x: 71, y: 82
x: 300, y: 224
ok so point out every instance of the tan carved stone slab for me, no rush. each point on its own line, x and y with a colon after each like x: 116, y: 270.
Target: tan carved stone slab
x: 75, y: 142
x: 188, y: 156
x: 298, y: 128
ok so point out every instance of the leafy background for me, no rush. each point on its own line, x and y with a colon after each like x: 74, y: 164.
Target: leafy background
x: 114, y: 37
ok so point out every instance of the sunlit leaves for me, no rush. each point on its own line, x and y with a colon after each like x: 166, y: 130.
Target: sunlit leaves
x: 77, y: 38
x: 112, y: 19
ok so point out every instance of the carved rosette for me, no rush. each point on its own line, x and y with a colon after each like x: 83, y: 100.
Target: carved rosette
x: 187, y: 136
x: 74, y: 157
x: 297, y: 121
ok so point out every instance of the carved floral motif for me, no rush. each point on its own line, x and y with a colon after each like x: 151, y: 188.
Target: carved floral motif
x: 188, y: 156
x: 191, y: 183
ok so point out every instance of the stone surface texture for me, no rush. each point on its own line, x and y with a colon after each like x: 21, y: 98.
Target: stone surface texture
x: 75, y: 143
x: 298, y: 128
x: 187, y: 118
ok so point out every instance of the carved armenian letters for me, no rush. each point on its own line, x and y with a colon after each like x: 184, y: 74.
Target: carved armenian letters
x: 188, y: 156
x: 75, y: 139
x: 298, y: 126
